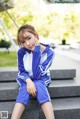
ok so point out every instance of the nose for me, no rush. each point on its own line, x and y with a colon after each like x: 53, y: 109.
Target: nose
x: 27, y: 42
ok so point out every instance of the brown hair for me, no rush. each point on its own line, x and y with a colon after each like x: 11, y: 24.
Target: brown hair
x: 24, y: 28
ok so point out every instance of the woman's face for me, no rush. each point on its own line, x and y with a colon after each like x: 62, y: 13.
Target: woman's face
x: 28, y: 40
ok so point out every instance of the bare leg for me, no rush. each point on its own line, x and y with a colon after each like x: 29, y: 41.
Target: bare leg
x: 17, y: 111
x: 48, y: 110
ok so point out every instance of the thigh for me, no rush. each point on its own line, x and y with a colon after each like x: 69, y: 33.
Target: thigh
x: 23, y: 96
x: 42, y: 92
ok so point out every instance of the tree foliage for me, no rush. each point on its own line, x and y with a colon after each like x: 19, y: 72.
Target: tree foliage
x: 7, y: 3
x: 52, y: 25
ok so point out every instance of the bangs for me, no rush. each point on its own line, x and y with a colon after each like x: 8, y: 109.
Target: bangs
x: 21, y: 36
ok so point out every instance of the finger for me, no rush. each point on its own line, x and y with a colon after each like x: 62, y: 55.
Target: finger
x: 32, y: 90
x: 35, y: 87
x: 34, y: 94
x: 29, y: 91
x: 36, y: 42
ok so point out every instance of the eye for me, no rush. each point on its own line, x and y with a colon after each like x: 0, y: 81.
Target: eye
x: 23, y: 42
x: 29, y: 38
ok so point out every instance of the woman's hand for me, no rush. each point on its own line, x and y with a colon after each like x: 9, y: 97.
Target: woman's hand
x: 37, y: 42
x: 31, y: 87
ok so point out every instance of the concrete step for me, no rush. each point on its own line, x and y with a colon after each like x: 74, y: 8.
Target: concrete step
x: 67, y: 108
x: 64, y: 88
x: 8, y: 76
x: 58, y: 88
x: 55, y: 74
x: 63, y: 74
x: 8, y: 91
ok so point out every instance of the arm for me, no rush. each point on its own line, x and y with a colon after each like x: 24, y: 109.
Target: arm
x: 23, y: 74
x: 38, y: 68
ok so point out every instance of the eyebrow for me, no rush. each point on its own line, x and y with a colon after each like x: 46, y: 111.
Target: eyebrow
x: 26, y: 37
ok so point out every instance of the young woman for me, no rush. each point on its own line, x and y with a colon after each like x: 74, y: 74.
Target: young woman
x: 34, y: 60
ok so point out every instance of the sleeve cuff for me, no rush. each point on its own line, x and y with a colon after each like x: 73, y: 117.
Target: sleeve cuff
x: 37, y: 48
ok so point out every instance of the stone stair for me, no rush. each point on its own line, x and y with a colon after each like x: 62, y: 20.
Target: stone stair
x: 64, y: 91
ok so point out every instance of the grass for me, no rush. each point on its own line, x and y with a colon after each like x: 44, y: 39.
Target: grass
x: 8, y: 59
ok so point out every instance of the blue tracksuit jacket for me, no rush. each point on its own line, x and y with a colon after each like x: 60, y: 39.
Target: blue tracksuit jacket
x: 34, y: 65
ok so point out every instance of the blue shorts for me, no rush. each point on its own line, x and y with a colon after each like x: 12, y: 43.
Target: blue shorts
x: 42, y: 94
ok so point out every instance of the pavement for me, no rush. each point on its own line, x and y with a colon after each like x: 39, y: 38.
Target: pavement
x: 71, y: 53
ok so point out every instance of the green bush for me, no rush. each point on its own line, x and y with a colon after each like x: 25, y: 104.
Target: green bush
x: 5, y: 44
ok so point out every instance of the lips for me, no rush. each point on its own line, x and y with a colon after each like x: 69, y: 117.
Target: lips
x: 31, y: 47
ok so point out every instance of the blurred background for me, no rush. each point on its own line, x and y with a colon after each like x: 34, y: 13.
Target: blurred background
x: 57, y: 24
x: 54, y: 21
